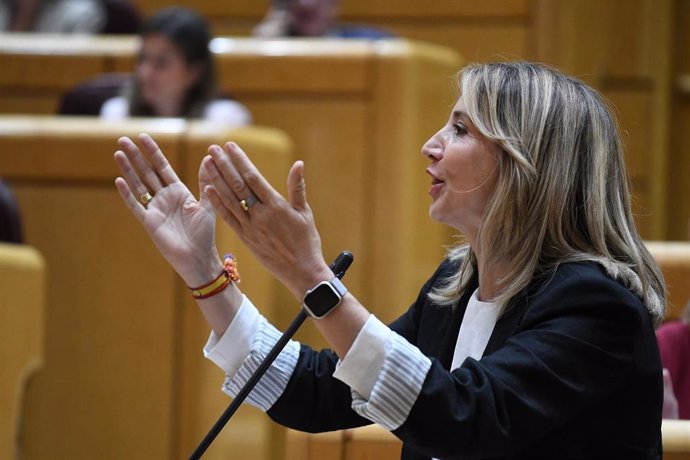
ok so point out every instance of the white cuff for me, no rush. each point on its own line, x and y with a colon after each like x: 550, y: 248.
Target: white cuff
x: 229, y: 351
x: 397, y: 385
x: 361, y: 366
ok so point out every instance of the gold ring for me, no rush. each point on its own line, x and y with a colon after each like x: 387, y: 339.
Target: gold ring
x: 145, y: 198
x: 248, y: 203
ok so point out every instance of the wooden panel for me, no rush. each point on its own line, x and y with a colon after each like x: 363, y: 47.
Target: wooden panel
x: 475, y: 42
x: 22, y: 305
x: 313, y: 66
x: 371, y: 9
x: 360, y: 8
x: 678, y: 189
x: 633, y: 109
x: 123, y: 339
x: 674, y: 260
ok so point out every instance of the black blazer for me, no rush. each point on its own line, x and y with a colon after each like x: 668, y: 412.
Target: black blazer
x: 571, y: 370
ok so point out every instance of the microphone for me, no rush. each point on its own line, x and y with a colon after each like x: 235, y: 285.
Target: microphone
x: 339, y: 266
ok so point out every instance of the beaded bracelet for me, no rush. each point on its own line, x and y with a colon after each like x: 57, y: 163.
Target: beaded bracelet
x: 220, y: 282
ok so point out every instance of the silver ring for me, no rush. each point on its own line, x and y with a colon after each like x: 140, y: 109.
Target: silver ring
x: 248, y: 202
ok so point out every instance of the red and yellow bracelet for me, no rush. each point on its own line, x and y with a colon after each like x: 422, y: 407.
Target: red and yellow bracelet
x: 220, y: 282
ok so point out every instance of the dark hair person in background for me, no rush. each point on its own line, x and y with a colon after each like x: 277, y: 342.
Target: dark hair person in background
x: 532, y: 340
x: 10, y: 217
x: 175, y: 74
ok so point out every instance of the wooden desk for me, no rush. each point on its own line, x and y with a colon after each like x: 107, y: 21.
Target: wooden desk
x: 124, y: 376
x: 22, y: 301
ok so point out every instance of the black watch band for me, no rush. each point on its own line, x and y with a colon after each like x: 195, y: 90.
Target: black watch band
x: 323, y: 298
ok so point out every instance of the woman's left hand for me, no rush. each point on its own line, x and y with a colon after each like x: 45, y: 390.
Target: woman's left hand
x: 280, y: 232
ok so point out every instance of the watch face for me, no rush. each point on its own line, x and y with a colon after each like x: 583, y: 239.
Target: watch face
x: 322, y: 299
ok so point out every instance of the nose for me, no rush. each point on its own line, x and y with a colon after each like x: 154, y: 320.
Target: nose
x: 433, y: 148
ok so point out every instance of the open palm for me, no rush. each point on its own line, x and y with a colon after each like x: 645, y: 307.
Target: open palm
x: 181, y: 227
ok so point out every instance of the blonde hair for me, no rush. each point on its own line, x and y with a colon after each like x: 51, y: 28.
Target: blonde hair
x: 562, y: 194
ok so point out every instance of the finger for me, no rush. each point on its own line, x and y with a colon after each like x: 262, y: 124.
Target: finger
x: 227, y: 199
x: 229, y: 174
x: 126, y: 194
x: 146, y: 173
x: 249, y: 174
x: 296, y: 188
x: 134, y: 183
x: 158, y: 160
x: 217, y: 201
x: 204, y: 181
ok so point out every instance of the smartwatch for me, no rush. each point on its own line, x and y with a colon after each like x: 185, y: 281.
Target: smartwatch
x: 323, y: 298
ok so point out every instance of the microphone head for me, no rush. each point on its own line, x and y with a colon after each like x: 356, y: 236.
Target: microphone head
x: 342, y: 263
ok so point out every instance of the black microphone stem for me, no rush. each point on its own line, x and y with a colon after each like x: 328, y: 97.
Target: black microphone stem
x: 339, y: 267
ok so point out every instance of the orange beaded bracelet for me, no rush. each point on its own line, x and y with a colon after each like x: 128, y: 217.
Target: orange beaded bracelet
x: 220, y: 282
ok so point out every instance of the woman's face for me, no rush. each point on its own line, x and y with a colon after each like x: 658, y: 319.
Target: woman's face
x: 163, y: 74
x: 463, y: 170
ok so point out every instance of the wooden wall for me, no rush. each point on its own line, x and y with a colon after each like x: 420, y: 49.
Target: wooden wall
x: 624, y: 48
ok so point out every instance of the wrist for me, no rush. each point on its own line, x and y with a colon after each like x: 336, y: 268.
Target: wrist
x: 203, y: 272
x: 227, y: 276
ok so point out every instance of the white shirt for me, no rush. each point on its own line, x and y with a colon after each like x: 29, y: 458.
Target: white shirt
x: 223, y: 111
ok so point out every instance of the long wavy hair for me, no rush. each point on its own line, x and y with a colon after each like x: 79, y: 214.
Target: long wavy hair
x: 562, y: 193
x: 189, y: 32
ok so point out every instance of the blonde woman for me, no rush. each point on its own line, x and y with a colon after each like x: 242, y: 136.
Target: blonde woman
x: 533, y: 340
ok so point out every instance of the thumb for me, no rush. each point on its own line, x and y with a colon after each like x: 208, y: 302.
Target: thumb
x: 296, y: 188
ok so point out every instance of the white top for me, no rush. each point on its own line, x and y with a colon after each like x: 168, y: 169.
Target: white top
x: 229, y: 113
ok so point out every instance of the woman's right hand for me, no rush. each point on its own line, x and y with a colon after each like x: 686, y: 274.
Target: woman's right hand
x: 182, y: 228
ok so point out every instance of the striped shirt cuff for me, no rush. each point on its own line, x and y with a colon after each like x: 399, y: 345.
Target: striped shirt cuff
x: 398, y: 381
x: 238, y: 371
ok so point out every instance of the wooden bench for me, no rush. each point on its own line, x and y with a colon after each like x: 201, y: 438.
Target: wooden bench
x: 22, y: 302
x: 124, y: 376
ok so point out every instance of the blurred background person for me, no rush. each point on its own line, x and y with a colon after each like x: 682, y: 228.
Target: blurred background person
x: 311, y: 18
x: 10, y: 217
x: 52, y: 16
x: 175, y: 74
x: 673, y: 338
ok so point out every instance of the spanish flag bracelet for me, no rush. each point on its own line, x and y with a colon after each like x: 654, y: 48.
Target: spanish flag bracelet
x: 220, y: 282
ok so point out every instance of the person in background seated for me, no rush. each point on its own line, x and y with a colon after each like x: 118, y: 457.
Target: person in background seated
x: 673, y: 338
x: 311, y: 18
x: 52, y: 16
x: 534, y: 338
x: 10, y: 217
x: 175, y: 74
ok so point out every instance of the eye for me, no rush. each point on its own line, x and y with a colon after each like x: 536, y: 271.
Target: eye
x: 459, y: 129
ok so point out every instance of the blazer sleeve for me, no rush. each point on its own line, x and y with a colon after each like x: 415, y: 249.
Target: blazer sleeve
x: 315, y: 401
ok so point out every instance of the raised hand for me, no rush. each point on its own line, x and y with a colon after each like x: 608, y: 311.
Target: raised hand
x: 182, y: 228
x: 281, y: 233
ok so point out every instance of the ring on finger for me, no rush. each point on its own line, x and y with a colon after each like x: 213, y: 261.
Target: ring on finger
x: 145, y: 198
x: 248, y: 202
